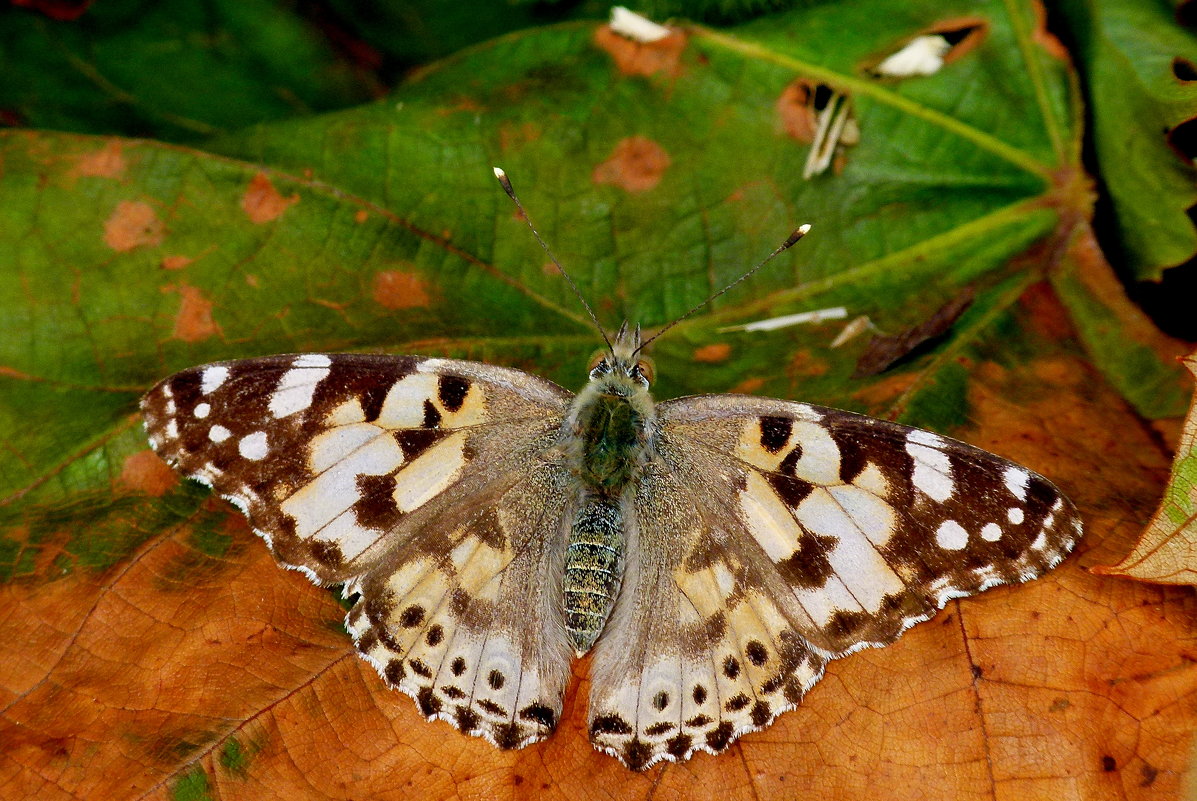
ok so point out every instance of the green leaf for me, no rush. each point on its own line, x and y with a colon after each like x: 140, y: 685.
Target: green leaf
x: 381, y: 227
x: 1138, y: 66
x: 133, y: 259
x: 174, y: 70
x: 183, y: 662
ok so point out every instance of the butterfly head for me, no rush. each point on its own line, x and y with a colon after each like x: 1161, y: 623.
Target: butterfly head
x: 622, y: 371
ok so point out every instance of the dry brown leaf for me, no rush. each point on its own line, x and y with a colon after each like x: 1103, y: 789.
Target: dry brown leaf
x: 883, y: 352
x: 196, y: 672
x: 1167, y: 551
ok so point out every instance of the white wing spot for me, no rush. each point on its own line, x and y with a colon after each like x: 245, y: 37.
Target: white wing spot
x: 253, y: 446
x: 172, y: 429
x: 1015, y: 515
x: 991, y: 532
x: 921, y: 437
x: 427, y: 476
x: 951, y: 535
x: 170, y: 406
x: 298, y: 385
x: 1016, y: 480
x: 932, y: 468
x: 219, y: 433
x: 1041, y: 541
x: 213, y: 377
x: 201, y: 410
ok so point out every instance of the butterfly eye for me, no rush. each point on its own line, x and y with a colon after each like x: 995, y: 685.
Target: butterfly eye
x: 646, y: 370
x: 598, y: 363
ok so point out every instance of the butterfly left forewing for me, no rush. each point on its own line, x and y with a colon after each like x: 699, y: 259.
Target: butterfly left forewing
x: 432, y: 487
x: 328, y: 454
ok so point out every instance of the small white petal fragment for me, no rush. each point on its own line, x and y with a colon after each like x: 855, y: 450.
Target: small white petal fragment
x: 219, y: 433
x: 212, y: 378
x: 774, y: 323
x: 201, y: 410
x: 631, y: 25
x: 253, y: 446
x: 1015, y: 515
x: 923, y: 55
x: 991, y: 532
x: 951, y: 536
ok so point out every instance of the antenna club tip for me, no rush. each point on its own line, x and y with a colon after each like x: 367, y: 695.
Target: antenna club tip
x: 505, y: 182
x: 799, y: 232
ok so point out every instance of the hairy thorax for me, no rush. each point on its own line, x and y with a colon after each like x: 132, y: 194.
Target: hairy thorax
x: 610, y: 431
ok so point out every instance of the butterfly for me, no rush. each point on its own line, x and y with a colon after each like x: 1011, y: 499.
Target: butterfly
x: 712, y: 552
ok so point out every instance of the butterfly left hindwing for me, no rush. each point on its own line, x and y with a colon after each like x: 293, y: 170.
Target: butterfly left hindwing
x: 773, y: 536
x: 423, y: 484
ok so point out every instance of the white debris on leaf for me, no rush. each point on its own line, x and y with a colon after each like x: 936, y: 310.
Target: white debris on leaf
x: 773, y: 323
x: 923, y: 55
x: 836, y: 127
x: 852, y: 330
x: 631, y: 25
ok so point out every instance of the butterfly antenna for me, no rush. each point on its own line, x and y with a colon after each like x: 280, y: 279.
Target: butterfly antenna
x: 799, y: 232
x: 506, y: 184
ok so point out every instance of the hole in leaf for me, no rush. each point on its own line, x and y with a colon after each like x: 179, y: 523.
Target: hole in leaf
x: 1184, y: 70
x: 1183, y: 139
x: 1186, y: 14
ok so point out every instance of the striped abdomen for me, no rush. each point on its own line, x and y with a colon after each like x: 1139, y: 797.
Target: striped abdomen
x: 593, y: 566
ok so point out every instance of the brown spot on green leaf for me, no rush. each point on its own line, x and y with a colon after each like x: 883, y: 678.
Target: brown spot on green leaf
x: 194, y: 322
x: 131, y: 225
x: 107, y: 162
x: 642, y: 58
x: 395, y: 289
x: 636, y: 165
x: 796, y: 110
x: 145, y: 472
x: 748, y: 386
x: 262, y: 202
x: 713, y: 353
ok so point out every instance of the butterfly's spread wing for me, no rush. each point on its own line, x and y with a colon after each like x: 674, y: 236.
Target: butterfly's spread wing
x: 770, y: 537
x: 429, y: 486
